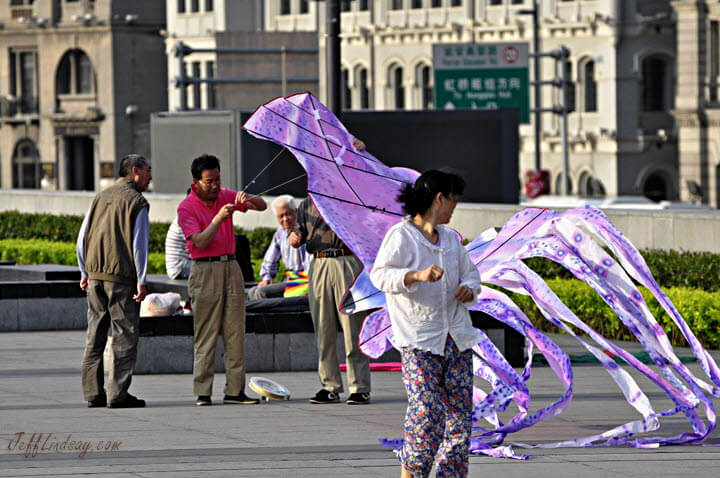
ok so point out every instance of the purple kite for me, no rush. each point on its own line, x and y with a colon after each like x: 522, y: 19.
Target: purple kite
x: 355, y: 193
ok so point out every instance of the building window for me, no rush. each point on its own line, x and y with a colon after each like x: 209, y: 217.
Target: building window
x: 589, y: 186
x: 284, y: 7
x: 495, y: 2
x: 589, y: 86
x: 655, y: 84
x: 344, y: 5
x: 23, y: 80
x: 363, y: 5
x: 197, y: 104
x: 396, y: 5
x: 304, y: 6
x: 655, y: 187
x: 26, y: 165
x: 210, y: 74
x: 518, y: 2
x: 397, y: 90
x: 435, y: 3
x: 75, y: 74
x: 181, y: 6
x: 361, y: 80
x: 209, y: 6
x: 416, y: 4
x: 455, y: 3
x: 423, y: 80
x: 194, y: 6
x: 345, y: 91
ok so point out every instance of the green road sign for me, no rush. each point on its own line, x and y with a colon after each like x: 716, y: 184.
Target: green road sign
x: 482, y: 76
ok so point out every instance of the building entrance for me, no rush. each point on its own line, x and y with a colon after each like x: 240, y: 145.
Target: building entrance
x: 80, y: 160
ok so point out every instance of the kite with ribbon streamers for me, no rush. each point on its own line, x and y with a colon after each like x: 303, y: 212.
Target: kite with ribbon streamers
x: 356, y: 195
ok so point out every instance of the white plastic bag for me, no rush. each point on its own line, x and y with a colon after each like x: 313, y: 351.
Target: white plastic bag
x: 160, y: 305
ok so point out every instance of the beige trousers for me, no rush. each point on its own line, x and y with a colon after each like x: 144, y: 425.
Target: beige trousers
x: 110, y: 305
x: 217, y: 292
x: 329, y: 279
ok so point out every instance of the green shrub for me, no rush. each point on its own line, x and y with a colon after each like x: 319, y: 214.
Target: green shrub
x: 700, y: 270
x: 37, y: 251
x: 64, y: 228
x: 700, y: 309
x: 259, y: 239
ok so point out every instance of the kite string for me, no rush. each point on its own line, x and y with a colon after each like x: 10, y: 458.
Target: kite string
x: 281, y: 184
x: 263, y: 170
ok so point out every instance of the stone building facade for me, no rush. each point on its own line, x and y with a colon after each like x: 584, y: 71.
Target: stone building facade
x: 196, y: 23
x: 78, y: 81
x: 697, y: 106
x: 623, y: 127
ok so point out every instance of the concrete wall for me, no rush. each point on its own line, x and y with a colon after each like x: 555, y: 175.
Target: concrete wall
x: 666, y: 229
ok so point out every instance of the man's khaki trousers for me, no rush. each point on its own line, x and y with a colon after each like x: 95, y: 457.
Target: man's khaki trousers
x: 329, y: 279
x: 217, y: 292
x: 110, y: 304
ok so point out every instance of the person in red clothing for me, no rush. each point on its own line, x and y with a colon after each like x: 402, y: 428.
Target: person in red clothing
x: 215, y: 285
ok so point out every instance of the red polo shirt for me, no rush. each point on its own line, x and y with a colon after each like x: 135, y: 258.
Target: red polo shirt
x: 195, y: 216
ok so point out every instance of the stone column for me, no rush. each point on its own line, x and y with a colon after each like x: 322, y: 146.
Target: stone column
x: 689, y: 97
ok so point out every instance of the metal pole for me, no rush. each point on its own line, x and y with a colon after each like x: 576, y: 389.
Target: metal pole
x: 536, y: 71
x: 566, y: 159
x: 181, y: 77
x: 333, y: 55
x: 283, y: 70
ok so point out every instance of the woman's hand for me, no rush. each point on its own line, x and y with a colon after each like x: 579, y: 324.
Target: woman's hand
x: 463, y: 294
x: 431, y: 274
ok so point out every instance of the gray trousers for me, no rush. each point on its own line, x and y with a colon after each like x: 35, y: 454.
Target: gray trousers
x: 110, y: 306
x: 329, y: 279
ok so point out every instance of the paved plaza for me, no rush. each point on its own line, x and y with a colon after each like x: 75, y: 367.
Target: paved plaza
x: 40, y: 394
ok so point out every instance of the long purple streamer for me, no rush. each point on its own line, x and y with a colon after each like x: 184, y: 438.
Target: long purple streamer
x: 355, y: 193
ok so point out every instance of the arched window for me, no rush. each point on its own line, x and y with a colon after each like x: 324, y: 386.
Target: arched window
x: 655, y: 187
x: 397, y: 89
x: 75, y: 74
x: 590, y: 186
x: 423, y: 80
x: 361, y: 81
x: 26, y: 165
x: 588, y: 86
x: 656, y: 83
x: 346, y: 93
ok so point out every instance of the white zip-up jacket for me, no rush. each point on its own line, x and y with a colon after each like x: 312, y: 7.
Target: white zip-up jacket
x: 424, y: 313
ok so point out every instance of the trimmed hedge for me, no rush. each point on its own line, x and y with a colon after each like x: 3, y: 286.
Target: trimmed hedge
x: 700, y: 309
x: 37, y: 251
x: 700, y: 270
x: 65, y: 228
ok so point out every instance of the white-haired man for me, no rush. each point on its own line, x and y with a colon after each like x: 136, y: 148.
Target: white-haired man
x: 294, y: 259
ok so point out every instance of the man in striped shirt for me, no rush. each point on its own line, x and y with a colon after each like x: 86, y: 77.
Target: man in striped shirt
x: 294, y: 259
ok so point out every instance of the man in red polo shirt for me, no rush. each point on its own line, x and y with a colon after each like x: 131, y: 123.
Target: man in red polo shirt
x: 215, y: 285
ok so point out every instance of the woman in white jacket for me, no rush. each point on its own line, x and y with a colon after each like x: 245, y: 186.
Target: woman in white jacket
x: 429, y: 283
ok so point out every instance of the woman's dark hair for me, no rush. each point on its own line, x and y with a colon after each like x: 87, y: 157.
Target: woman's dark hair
x: 203, y: 162
x: 417, y: 198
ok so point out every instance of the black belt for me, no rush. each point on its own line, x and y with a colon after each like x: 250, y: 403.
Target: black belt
x: 223, y: 258
x: 332, y: 253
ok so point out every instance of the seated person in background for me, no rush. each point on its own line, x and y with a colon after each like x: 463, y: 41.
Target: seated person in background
x: 294, y: 259
x: 177, y: 257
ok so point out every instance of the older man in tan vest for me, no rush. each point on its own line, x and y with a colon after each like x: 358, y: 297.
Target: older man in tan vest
x: 112, y: 249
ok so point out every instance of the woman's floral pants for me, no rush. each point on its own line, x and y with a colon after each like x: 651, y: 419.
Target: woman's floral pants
x: 438, y: 422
